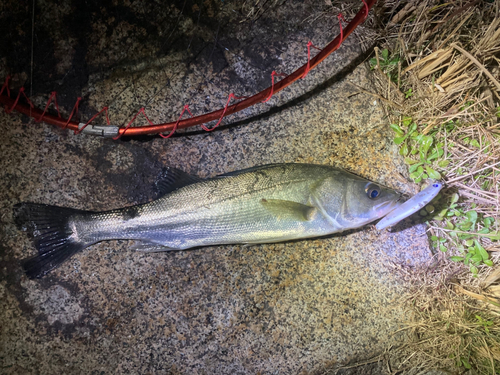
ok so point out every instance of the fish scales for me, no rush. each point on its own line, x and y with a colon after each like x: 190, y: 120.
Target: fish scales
x: 264, y: 204
x: 208, y: 212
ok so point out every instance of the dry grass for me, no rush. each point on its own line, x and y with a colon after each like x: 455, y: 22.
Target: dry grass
x: 443, y: 72
x: 456, y: 322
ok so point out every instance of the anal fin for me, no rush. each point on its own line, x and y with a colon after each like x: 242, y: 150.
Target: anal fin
x: 149, y: 247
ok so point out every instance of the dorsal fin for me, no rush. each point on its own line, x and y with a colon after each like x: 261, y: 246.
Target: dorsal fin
x: 248, y: 170
x: 171, y: 179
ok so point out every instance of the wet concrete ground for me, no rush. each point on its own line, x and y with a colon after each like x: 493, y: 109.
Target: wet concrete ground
x: 296, y: 307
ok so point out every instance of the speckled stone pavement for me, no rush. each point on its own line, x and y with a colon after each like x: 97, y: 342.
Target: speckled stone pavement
x: 288, y: 308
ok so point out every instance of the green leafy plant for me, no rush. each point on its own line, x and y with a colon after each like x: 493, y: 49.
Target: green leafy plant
x: 423, y: 155
x: 429, y: 151
x: 464, y: 230
x: 388, y: 64
x: 484, y: 323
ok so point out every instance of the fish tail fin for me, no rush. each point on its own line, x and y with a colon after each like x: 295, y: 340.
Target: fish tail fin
x: 49, y: 226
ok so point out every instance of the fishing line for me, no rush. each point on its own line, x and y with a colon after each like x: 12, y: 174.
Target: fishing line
x: 32, y: 49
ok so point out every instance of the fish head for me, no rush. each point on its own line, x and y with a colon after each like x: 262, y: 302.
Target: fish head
x: 353, y: 201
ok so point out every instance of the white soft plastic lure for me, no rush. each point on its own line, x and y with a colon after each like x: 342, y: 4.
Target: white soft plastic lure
x: 412, y: 205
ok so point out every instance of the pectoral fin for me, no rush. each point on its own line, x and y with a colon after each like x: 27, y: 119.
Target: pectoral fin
x: 283, y: 209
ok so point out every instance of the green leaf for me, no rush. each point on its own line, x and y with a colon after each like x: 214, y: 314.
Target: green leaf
x: 449, y: 225
x: 399, y: 140
x: 436, y: 154
x: 454, y: 198
x: 481, y: 251
x: 407, y: 121
x: 473, y: 269
x: 484, y: 231
x: 385, y: 53
x: 425, y: 143
x: 487, y: 221
x: 432, y: 173
x: 434, y: 238
x: 414, y: 167
x: 404, y: 149
x: 495, y: 236
x: 471, y: 215
x: 469, y: 243
x: 466, y: 363
x: 476, y: 258
x: 397, y: 130
x: 465, y: 226
x: 410, y: 161
x: 456, y: 259
x: 475, y: 143
x: 443, y: 248
x: 413, y: 127
x: 443, y: 163
x: 488, y: 262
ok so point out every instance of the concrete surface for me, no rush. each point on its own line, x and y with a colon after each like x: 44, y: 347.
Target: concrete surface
x: 288, y: 308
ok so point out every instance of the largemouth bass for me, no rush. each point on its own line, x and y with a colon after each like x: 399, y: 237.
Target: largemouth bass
x: 271, y: 203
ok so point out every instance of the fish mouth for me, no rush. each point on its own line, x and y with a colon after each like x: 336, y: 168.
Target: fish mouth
x: 385, y: 208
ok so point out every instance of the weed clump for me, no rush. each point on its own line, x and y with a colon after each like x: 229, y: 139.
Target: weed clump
x: 438, y: 72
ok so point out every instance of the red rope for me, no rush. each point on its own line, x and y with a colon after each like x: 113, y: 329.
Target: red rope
x: 231, y: 96
x: 341, y: 18
x: 367, y: 9
x: 75, y: 107
x: 272, y: 85
x: 186, y: 108
x: 130, y: 123
x: 52, y: 96
x: 309, y: 45
x: 6, y: 86
x: 21, y: 91
x: 105, y: 109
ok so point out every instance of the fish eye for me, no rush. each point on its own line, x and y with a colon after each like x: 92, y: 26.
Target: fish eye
x: 373, y: 191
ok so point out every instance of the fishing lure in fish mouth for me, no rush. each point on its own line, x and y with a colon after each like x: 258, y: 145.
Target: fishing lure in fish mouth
x: 266, y: 204
x: 412, y: 205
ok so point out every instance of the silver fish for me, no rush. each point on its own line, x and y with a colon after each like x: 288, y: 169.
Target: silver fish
x: 271, y: 203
